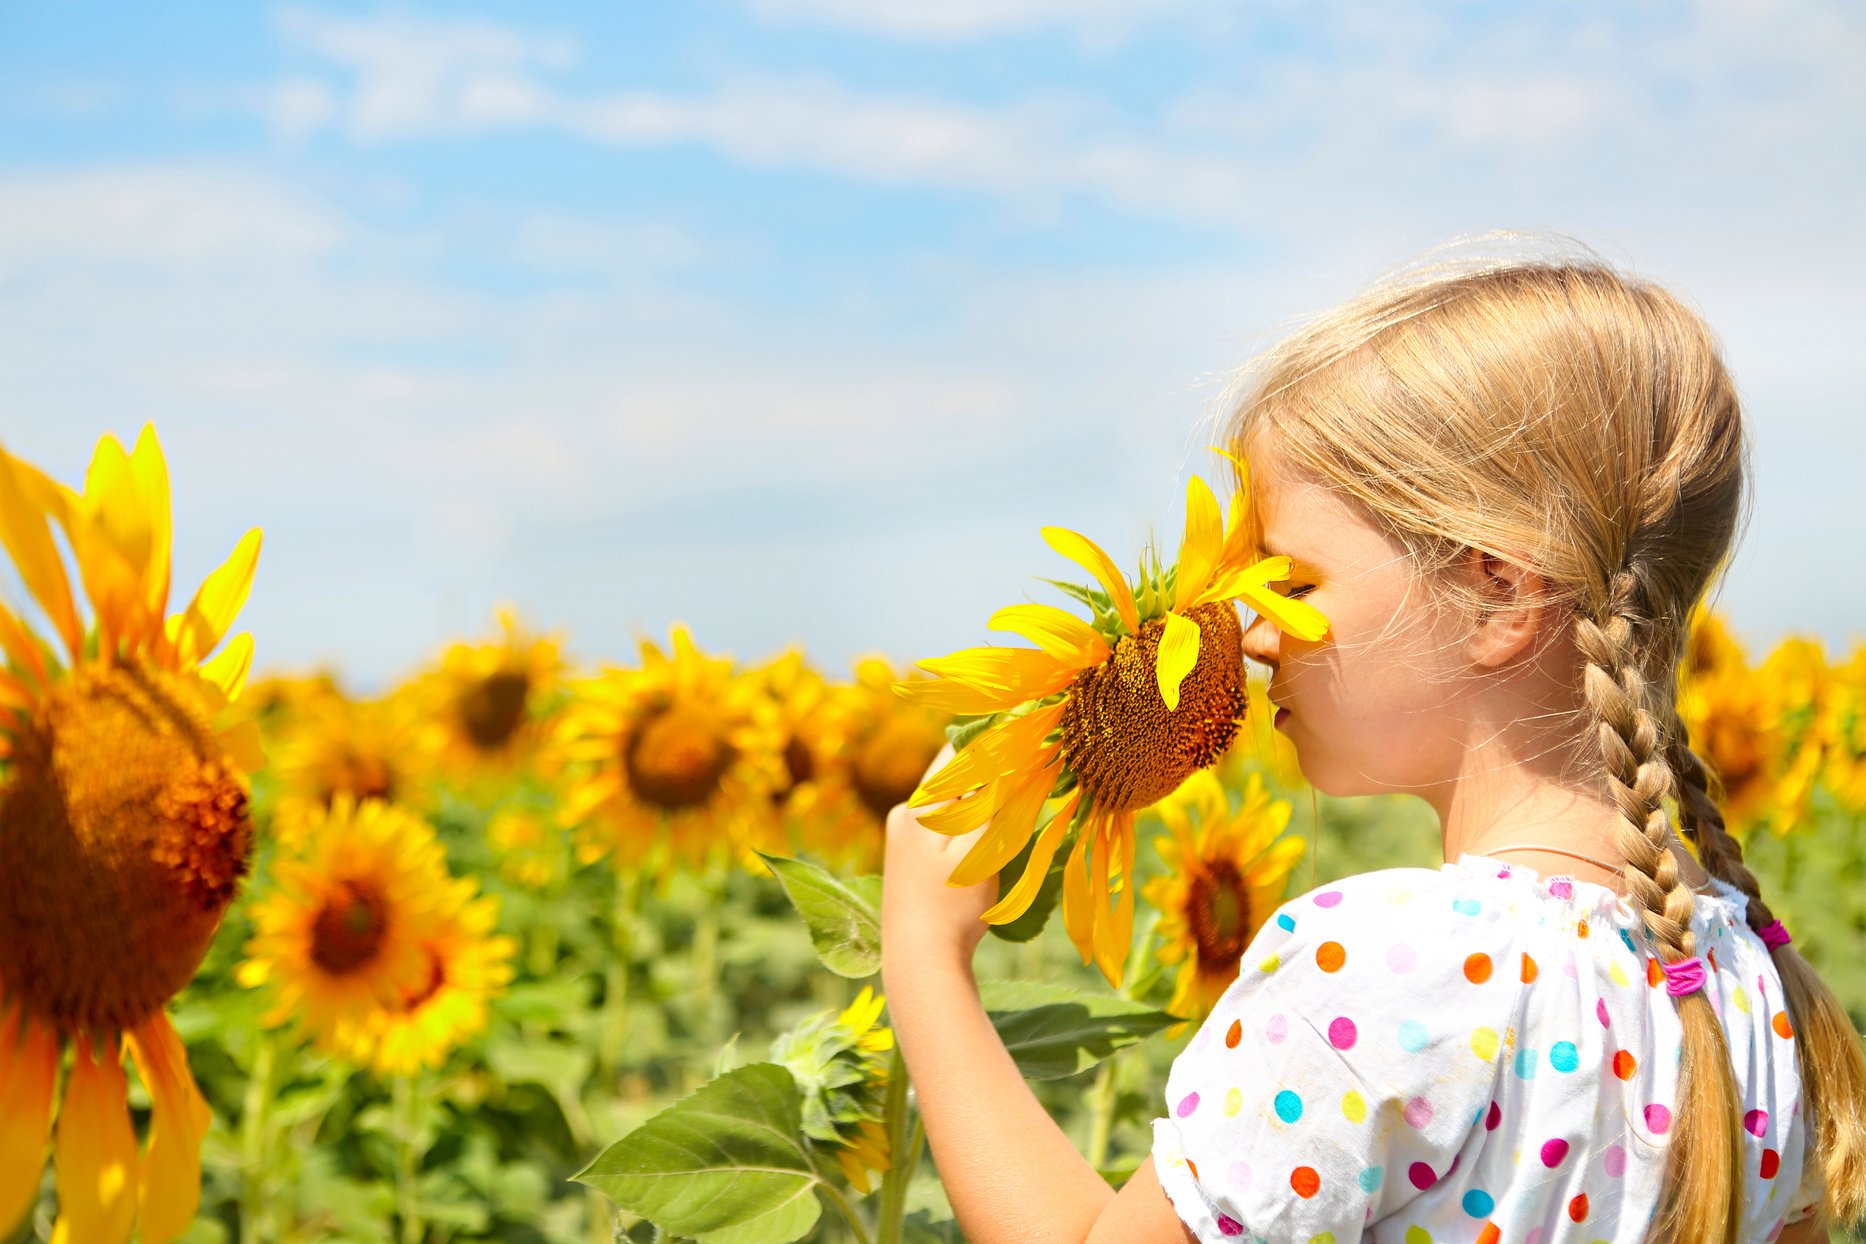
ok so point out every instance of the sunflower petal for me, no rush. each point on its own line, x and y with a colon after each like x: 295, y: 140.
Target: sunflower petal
x: 1203, y: 542
x: 1292, y: 617
x: 1056, y: 631
x: 151, y: 474
x: 228, y: 670
x: 1078, y: 914
x: 1100, y: 890
x: 1085, y: 553
x: 1179, y: 652
x: 1007, y: 747
x: 1120, y: 930
x: 171, y: 1168
x: 28, y: 1071
x: 1018, y: 901
x: 244, y: 745
x: 218, y: 601
x: 28, y: 539
x: 985, y: 680
x: 1012, y: 822
x: 20, y: 646
x: 95, y: 1152
x: 961, y: 816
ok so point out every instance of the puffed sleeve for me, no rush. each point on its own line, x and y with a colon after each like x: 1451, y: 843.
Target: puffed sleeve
x: 1348, y: 1069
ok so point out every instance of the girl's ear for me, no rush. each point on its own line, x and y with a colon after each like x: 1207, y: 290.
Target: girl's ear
x: 1512, y: 612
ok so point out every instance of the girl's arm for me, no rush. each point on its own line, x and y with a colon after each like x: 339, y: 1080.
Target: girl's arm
x: 1009, y: 1171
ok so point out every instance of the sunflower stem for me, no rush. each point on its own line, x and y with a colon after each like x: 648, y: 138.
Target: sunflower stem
x: 905, y: 1133
x: 407, y: 1160
x: 1101, y: 1113
x: 615, y: 977
x: 256, y: 1142
x: 856, y: 1226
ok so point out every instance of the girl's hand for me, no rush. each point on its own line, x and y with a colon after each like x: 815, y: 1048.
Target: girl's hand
x: 920, y: 913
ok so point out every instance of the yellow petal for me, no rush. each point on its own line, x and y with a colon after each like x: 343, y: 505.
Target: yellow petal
x: 151, y: 475
x: 1085, y: 553
x: 95, y: 1152
x: 1100, y: 889
x: 219, y: 599
x: 1078, y: 912
x: 171, y: 1168
x: 1204, y: 540
x: 1179, y: 652
x: 1018, y: 901
x: 1011, y: 824
x: 28, y: 1070
x: 244, y: 745
x: 961, y: 816
x: 228, y: 670
x: 28, y: 539
x: 1058, y: 632
x: 20, y: 646
x: 986, y: 680
x: 1007, y: 747
x: 1292, y: 617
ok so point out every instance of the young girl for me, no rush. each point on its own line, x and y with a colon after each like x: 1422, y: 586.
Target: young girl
x: 1507, y: 489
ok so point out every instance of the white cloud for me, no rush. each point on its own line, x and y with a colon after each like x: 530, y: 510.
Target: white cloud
x: 1099, y: 20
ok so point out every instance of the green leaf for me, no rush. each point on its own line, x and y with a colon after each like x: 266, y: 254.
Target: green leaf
x: 844, y: 916
x: 726, y: 1165
x: 1054, y: 1031
x: 1031, y: 923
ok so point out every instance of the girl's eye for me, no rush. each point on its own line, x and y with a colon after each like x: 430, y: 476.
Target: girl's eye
x: 1297, y: 590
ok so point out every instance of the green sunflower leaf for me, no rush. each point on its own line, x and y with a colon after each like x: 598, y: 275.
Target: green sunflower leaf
x: 1031, y: 923
x: 842, y: 914
x: 726, y: 1165
x: 1054, y: 1031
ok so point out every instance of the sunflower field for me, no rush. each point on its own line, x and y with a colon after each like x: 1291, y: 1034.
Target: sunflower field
x: 530, y: 947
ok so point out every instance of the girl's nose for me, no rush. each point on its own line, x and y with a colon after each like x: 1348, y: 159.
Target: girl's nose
x: 1262, y: 642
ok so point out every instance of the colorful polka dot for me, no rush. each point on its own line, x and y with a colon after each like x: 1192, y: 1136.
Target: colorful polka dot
x: 1418, y: 1113
x: 1756, y: 1122
x: 1270, y: 965
x: 1658, y: 1119
x: 1421, y: 1176
x: 1328, y: 898
x: 1354, y: 1106
x: 1478, y: 1203
x: 1654, y: 973
x: 1560, y: 888
x: 1288, y: 1106
x: 1740, y: 996
x: 1466, y: 906
x: 1371, y: 1177
x: 1783, y: 1028
x: 1413, y: 1036
x: 1477, y: 968
x: 1624, y: 1064
x: 1563, y: 1056
x: 1239, y: 1174
x: 1577, y: 1208
x: 1618, y: 976
x: 1322, y: 1237
x: 1554, y: 1152
x: 1530, y: 971
x: 1600, y: 1013
x: 1485, y: 1043
x: 1614, y: 1160
x: 1493, y: 1117
x: 1580, y: 928
x: 1188, y: 1104
x: 1234, y: 1034
x: 1329, y: 956
x: 1228, y: 1225
x: 1341, y: 1033
x: 1526, y: 1064
x: 1305, y: 1181
x: 1490, y: 1234
x: 1285, y: 922
x: 1417, y: 1234
x: 1276, y: 1031
x: 1402, y: 958
x: 1771, y: 1163
x: 1234, y: 1102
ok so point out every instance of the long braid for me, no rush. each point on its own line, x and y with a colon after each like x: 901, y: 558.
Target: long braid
x: 1827, y: 1049
x: 1704, y: 1184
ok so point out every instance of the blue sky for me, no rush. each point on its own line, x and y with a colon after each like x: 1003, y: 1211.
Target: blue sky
x: 796, y: 319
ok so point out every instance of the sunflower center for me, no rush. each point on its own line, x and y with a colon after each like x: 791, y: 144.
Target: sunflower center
x: 1218, y: 914
x: 362, y: 774
x: 349, y: 928
x: 126, y: 835
x: 891, y: 763
x: 799, y: 764
x: 677, y: 758
x: 1125, y: 746
x: 430, y: 985
x: 492, y: 708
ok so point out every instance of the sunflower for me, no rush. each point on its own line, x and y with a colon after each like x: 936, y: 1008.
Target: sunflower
x: 841, y: 1067
x: 1760, y: 730
x: 810, y: 748
x: 278, y: 700
x: 372, y: 947
x: 1224, y: 877
x: 1845, y: 770
x: 675, y: 758
x: 123, y: 807
x: 360, y: 749
x: 1110, y: 716
x: 529, y: 847
x: 486, y: 698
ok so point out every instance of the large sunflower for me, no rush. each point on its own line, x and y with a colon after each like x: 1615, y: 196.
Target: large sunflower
x: 370, y: 945
x: 1225, y: 875
x: 676, y: 758
x: 486, y: 700
x: 1109, y: 716
x: 123, y: 812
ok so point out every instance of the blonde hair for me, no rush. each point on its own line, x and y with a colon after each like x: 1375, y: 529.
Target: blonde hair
x: 1581, y: 425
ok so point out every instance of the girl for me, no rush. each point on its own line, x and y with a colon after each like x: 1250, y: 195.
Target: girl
x: 1507, y: 488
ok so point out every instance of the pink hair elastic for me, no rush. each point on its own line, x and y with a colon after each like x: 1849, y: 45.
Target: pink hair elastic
x: 1773, y: 935
x: 1685, y: 976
